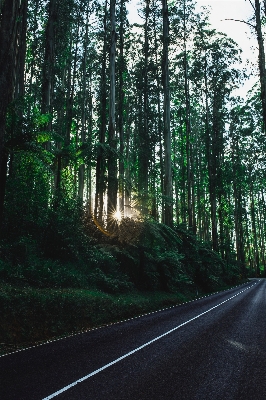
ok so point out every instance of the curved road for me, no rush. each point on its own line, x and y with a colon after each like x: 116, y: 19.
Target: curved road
x: 208, y: 349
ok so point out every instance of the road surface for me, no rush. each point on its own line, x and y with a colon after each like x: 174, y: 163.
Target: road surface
x: 211, y: 348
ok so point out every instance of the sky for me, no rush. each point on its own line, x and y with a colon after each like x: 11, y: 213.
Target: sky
x: 239, y: 31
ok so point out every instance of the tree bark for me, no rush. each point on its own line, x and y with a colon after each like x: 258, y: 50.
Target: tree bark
x: 262, y: 69
x: 167, y: 133
x: 49, y: 55
x: 100, y: 162
x: 144, y: 151
x: 211, y: 157
x: 254, y: 232
x: 83, y: 105
x: 112, y: 168
x: 10, y: 56
x: 121, y: 108
x: 188, y: 129
x: 159, y: 123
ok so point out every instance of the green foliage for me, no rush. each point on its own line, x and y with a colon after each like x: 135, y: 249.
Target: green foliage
x: 44, y: 273
x: 150, y: 255
x: 28, y: 194
x: 40, y: 120
x: 109, y: 283
x: 158, y: 258
x: 206, y: 268
x: 30, y: 315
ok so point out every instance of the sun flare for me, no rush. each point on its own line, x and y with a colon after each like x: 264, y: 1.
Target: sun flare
x: 117, y: 215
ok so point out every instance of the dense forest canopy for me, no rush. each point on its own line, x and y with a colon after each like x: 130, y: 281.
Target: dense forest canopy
x: 118, y: 121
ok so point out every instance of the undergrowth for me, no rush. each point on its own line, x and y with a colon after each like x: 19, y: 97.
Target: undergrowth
x: 60, y: 273
x: 31, y: 315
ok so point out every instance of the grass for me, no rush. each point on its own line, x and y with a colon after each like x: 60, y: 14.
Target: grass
x: 31, y: 315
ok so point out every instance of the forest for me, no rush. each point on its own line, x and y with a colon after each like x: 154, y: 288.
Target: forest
x: 129, y: 170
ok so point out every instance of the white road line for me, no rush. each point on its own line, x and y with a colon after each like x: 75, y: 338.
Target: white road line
x: 51, y: 396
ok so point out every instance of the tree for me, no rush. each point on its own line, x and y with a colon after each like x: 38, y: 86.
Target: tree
x: 261, y: 62
x: 167, y: 132
x: 12, y: 57
x: 218, y: 78
x: 112, y: 168
x: 122, y: 116
x: 262, y: 69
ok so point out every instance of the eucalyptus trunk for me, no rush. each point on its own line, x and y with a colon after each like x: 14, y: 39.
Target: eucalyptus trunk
x: 121, y: 108
x: 261, y: 61
x: 159, y: 123
x: 100, y: 162
x: 167, y: 133
x: 211, y: 165
x: 191, y: 224
x: 81, y: 173
x: 49, y: 61
x: 112, y: 168
x: 12, y: 51
x: 254, y: 232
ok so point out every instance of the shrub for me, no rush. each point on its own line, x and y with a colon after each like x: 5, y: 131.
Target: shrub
x: 110, y: 284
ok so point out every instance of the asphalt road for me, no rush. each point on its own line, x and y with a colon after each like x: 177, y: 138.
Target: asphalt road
x: 211, y: 348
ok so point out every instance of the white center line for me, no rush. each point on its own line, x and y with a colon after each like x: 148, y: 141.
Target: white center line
x: 51, y: 396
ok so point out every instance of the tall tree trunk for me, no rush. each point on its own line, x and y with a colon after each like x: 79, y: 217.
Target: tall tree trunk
x: 239, y: 233
x: 200, y: 193
x: 212, y: 146
x: 213, y: 181
x: 84, y: 104
x: 127, y: 170
x: 144, y: 150
x: 72, y: 72
x: 100, y: 162
x: 19, y: 76
x: 47, y: 85
x: 167, y: 133
x: 21, y: 39
x: 262, y: 232
x: 12, y: 53
x: 254, y: 232
x: 248, y: 239
x: 121, y: 107
x: 90, y: 139
x: 49, y: 58
x: 183, y: 196
x: 176, y: 183
x: 261, y: 61
x: 239, y: 230
x: 158, y: 95
x: 188, y: 125
x: 31, y: 64
x: 211, y: 168
x: 112, y: 168
x: 145, y: 165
